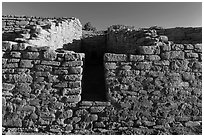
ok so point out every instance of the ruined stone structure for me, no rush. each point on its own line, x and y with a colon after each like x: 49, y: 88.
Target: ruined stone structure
x: 124, y: 81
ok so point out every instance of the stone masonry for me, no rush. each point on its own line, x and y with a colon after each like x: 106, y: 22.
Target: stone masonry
x: 153, y: 85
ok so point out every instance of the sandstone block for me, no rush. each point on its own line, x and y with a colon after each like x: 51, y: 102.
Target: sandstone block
x: 23, y: 88
x: 109, y: 66
x: 75, y: 70
x: 152, y: 57
x: 69, y: 128
x: 67, y: 114
x: 15, y: 54
x: 73, y: 63
x: 179, y: 65
x: 7, y: 86
x: 7, y: 45
x: 192, y: 55
x: 75, y: 84
x: 51, y: 63
x: 8, y: 70
x: 74, y: 77
x: 161, y: 63
x: 192, y: 124
x: 43, y: 68
x: 73, y: 98
x: 42, y: 74
x: 99, y: 125
x: 165, y: 47
x: 61, y: 72
x: 188, y: 76
x: 73, y: 56
x: 32, y: 48
x: 198, y: 48
x: 125, y: 67
x: 115, y: 57
x: 22, y: 78
x: 97, y: 109
x: 128, y: 73
x: 61, y: 85
x: 188, y: 46
x: 173, y: 55
x: 143, y: 65
x: 13, y: 60
x: 50, y: 55
x: 31, y: 55
x: 149, y: 50
x: 19, y: 46
x: 10, y: 65
x: 177, y: 47
x: 71, y: 91
x: 136, y: 57
x: 26, y: 64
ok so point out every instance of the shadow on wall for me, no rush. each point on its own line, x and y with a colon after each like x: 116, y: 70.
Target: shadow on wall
x: 93, y: 86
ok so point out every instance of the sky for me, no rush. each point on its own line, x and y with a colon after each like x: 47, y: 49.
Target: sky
x: 104, y: 14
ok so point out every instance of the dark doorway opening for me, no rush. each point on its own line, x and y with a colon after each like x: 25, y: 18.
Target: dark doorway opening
x: 93, y: 81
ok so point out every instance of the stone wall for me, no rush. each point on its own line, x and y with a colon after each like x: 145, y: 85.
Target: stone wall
x: 158, y: 90
x: 153, y: 86
x: 41, y: 87
x: 52, y: 32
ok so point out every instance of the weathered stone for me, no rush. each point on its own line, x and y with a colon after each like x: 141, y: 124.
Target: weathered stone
x: 188, y: 76
x: 198, y: 47
x: 68, y: 113
x: 8, y: 70
x: 143, y: 65
x: 7, y: 86
x: 61, y: 72
x: 192, y: 123
x: 93, y: 117
x: 10, y: 65
x: 15, y: 54
x: 7, y: 45
x: 162, y: 63
x: 19, y: 46
x: 115, y: 57
x: 50, y: 55
x: 32, y: 48
x: 71, y: 91
x: 31, y: 55
x: 73, y: 63
x: 192, y: 55
x: 13, y: 60
x: 74, y: 77
x: 43, y: 68
x: 149, y: 50
x: 109, y: 66
x: 18, y: 78
x: 72, y: 56
x: 177, y: 47
x: 152, y: 57
x: 188, y: 46
x: 128, y: 73
x: 61, y: 85
x: 99, y: 125
x: 73, y: 98
x: 23, y: 88
x: 69, y: 128
x: 42, y: 74
x: 136, y: 57
x: 165, y: 47
x: 51, y: 63
x: 97, y: 109
x: 75, y: 84
x: 26, y: 64
x: 179, y: 65
x: 173, y: 55
x: 75, y: 70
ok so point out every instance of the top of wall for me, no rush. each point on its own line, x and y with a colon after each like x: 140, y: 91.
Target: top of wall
x: 40, y: 31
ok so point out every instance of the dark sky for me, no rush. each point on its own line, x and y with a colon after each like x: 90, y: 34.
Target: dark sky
x: 102, y: 15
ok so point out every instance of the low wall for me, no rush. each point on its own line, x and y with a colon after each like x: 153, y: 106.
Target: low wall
x: 37, y: 31
x: 158, y: 90
x: 41, y: 87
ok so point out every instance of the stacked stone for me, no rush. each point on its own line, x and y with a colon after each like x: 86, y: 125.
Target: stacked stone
x: 39, y: 31
x: 90, y: 117
x: 40, y: 86
x: 159, y: 88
